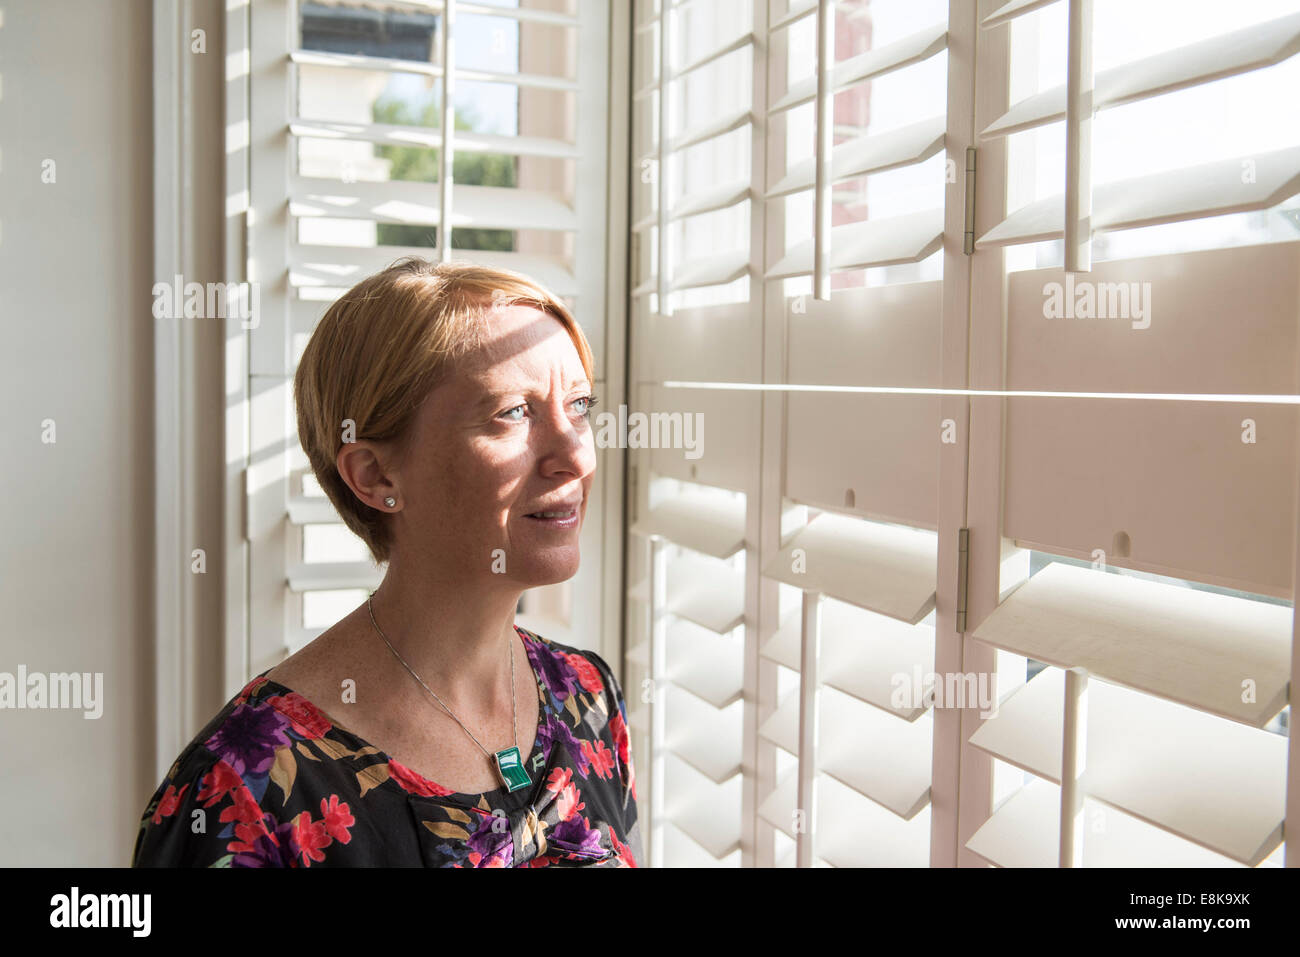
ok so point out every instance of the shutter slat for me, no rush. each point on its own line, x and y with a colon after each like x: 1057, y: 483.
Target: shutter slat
x: 783, y: 647
x: 711, y: 524
x: 708, y: 813
x: 1016, y: 8
x: 706, y: 201
x: 325, y: 576
x: 739, y: 43
x: 707, y: 131
x: 710, y: 669
x: 682, y: 850
x: 870, y: 154
x: 1251, y: 48
x: 1188, y: 646
x: 429, y: 137
x: 524, y: 14
x: 713, y: 597
x: 861, y: 657
x: 778, y: 807
x: 882, y: 759
x: 872, y: 242
x: 706, y: 738
x: 790, y: 859
x: 892, y: 56
x: 852, y: 830
x: 312, y: 510
x: 882, y: 568
x: 534, y: 81
x: 729, y: 194
x: 346, y: 265
x: 1214, y: 782
x: 397, y: 201
x: 716, y: 54
x: 352, y: 61
x: 1024, y: 832
x: 782, y: 725
x: 702, y: 591
x: 798, y: 10
x: 1214, y: 189
x: 714, y: 271
x: 374, y: 64
x: 885, y: 761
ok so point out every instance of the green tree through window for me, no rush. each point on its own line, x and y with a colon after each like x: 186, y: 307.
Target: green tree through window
x: 420, y: 164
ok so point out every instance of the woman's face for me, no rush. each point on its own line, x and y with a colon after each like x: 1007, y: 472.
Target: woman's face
x: 505, y: 436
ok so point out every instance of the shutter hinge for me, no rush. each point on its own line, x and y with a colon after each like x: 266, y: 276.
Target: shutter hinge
x: 968, y: 237
x: 963, y: 573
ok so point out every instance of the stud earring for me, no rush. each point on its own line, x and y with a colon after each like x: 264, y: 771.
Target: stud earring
x: 390, y: 501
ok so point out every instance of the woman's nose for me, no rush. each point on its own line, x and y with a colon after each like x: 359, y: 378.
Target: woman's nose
x: 567, y: 441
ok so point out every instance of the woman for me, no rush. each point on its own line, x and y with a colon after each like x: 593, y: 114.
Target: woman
x: 445, y: 412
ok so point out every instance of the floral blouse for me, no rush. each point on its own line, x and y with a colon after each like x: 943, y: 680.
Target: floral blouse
x: 271, y: 782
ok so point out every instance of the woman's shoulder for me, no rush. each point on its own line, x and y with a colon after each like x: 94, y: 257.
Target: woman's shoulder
x: 569, y: 669
x: 263, y: 784
x: 584, y: 689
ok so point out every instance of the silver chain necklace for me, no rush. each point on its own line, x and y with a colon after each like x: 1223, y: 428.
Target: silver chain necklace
x: 507, y: 761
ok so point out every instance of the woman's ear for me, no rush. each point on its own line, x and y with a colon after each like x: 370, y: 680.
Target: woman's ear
x: 361, y: 465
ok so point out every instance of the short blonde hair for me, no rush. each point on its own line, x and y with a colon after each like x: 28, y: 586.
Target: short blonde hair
x: 383, y: 346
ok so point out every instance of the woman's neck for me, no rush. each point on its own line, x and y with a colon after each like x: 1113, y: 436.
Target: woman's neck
x: 453, y: 633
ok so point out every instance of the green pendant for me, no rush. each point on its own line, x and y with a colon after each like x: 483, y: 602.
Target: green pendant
x: 512, y: 769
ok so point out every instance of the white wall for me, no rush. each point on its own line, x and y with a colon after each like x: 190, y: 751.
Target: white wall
x: 76, y: 570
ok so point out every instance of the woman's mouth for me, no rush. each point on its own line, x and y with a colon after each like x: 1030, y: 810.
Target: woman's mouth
x: 560, y: 519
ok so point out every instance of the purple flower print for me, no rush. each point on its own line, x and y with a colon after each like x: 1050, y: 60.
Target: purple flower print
x: 558, y: 730
x: 255, y: 847
x: 557, y: 674
x: 575, y: 837
x: 489, y: 848
x: 249, y: 737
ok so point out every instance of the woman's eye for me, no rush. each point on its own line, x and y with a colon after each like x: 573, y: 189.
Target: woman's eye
x: 586, y: 404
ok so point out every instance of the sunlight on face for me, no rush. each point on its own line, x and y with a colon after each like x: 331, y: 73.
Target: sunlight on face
x: 505, y: 436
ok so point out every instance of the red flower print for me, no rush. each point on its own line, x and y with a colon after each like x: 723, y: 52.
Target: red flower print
x: 415, y: 783
x: 218, y: 782
x: 310, y: 838
x: 588, y: 674
x: 337, y: 819
x: 568, y: 803
x: 622, y: 851
x: 249, y: 688
x: 247, y: 835
x: 169, y: 802
x: 622, y: 740
x: 306, y: 719
x: 245, y: 810
x: 559, y: 779
x: 601, y: 758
